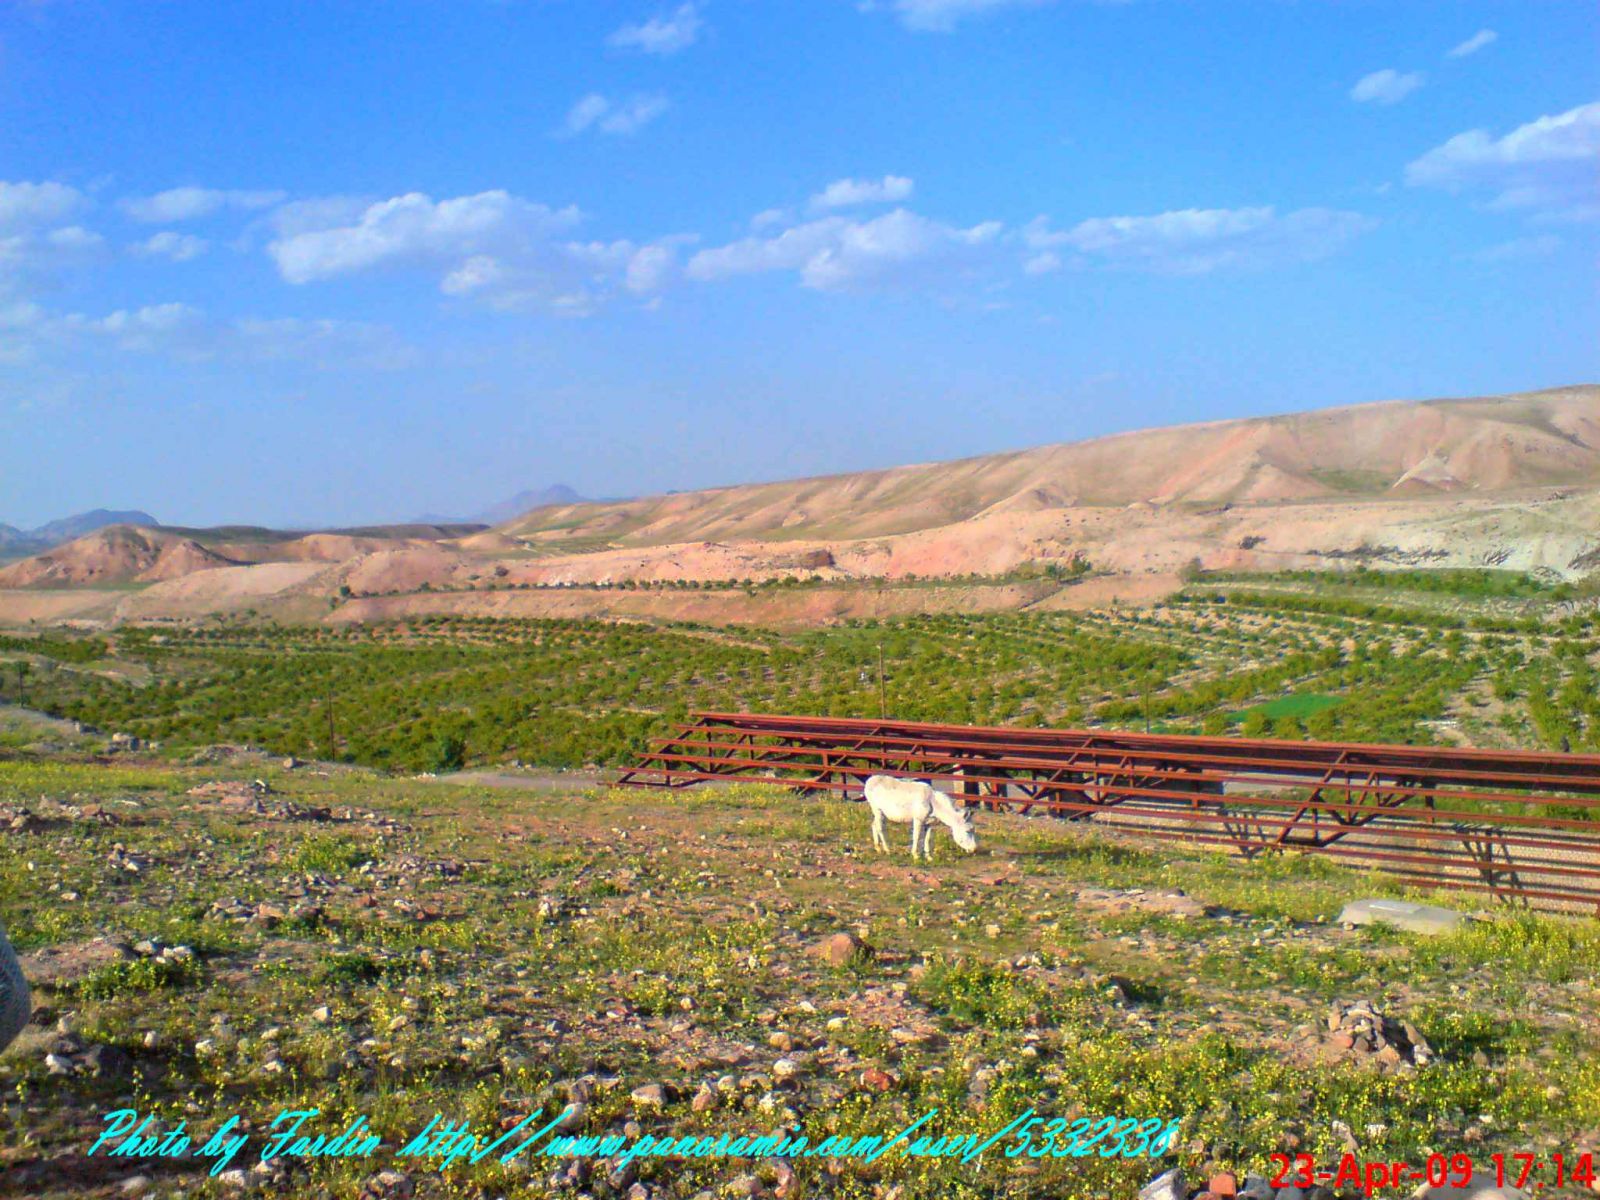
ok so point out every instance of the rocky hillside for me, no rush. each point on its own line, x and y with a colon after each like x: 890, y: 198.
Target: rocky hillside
x: 1394, y: 449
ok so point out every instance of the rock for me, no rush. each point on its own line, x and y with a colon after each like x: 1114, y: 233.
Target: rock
x: 135, y: 1185
x: 388, y: 1185
x: 840, y: 950
x: 107, y: 1062
x: 1480, y: 1187
x: 650, y: 1095
x: 1358, y: 1031
x: 322, y: 1014
x: 876, y: 1079
x: 1402, y: 914
x: 1169, y: 1186
x: 1257, y: 1188
x: 785, y: 1068
x: 1223, y: 1184
x: 704, y: 1100
x: 781, y: 1041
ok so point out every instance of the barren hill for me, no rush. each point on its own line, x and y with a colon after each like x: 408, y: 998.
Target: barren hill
x: 137, y: 554
x: 1510, y: 481
x: 1395, y: 448
x: 115, y: 554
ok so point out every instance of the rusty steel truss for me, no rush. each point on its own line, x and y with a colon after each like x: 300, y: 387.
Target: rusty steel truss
x: 1522, y: 826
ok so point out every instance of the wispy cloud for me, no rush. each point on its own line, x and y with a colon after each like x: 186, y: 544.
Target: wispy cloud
x: 1474, y: 43
x: 620, y: 117
x: 1546, y: 167
x: 193, y: 203
x: 896, y: 249
x: 1519, y: 249
x: 941, y: 16
x: 1387, y: 86
x: 34, y: 259
x: 664, y: 35
x: 1197, y: 241
x: 168, y: 244
x: 846, y: 193
x: 185, y: 333
x: 26, y: 205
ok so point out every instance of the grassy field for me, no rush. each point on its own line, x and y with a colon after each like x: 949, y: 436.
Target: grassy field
x: 1475, y: 659
x: 394, y: 948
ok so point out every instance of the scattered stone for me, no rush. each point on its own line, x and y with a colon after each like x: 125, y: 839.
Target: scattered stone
x: 1359, y: 1032
x: 1480, y: 1187
x: 840, y: 950
x: 650, y: 1095
x: 55, y: 1064
x: 106, y: 1062
x: 388, y: 1185
x: 1169, y: 1186
x: 1402, y: 914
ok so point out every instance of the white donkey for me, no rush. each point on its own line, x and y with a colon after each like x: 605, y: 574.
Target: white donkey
x: 902, y: 800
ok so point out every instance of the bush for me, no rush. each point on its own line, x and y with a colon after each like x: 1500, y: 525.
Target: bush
x: 449, y: 753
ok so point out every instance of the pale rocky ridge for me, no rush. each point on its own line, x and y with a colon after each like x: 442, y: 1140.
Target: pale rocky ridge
x: 1510, y: 481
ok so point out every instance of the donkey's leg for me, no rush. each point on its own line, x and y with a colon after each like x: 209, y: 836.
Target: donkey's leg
x: 916, y: 837
x: 879, y: 842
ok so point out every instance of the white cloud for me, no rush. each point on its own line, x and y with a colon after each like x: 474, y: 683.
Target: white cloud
x: 621, y: 117
x: 941, y: 16
x: 1547, y: 166
x: 192, y: 203
x: 1519, y: 249
x: 493, y: 247
x: 33, y: 258
x: 661, y: 35
x: 1198, y: 241
x: 317, y: 212
x: 178, y: 247
x: 414, y: 230
x: 26, y: 205
x: 843, y: 193
x: 186, y: 333
x: 1474, y: 43
x: 769, y: 217
x: 1387, y: 86
x: 838, y: 254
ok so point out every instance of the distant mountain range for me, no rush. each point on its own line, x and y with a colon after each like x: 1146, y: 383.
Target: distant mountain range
x: 18, y: 543
x: 522, y: 502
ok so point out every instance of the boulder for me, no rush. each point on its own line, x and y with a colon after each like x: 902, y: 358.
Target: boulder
x: 1480, y: 1187
x: 840, y: 950
x: 1402, y: 914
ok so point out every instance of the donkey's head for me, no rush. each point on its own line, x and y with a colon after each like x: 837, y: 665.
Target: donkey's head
x: 962, y: 831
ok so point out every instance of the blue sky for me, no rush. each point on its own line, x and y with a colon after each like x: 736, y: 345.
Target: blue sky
x: 337, y: 262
